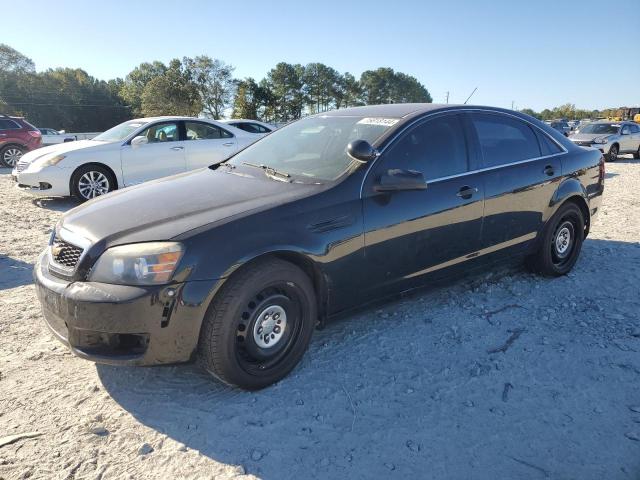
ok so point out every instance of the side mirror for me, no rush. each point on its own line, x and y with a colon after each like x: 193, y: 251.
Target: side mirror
x: 362, y: 151
x: 397, y: 180
x: 141, y: 140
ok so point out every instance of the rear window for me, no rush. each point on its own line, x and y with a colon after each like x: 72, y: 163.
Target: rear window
x: 548, y: 146
x: 505, y: 139
x: 7, y: 124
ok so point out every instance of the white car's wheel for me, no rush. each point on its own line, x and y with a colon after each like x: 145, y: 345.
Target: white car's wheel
x: 92, y: 181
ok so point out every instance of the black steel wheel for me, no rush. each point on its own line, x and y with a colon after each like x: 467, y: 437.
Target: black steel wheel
x: 561, y: 242
x: 259, y: 325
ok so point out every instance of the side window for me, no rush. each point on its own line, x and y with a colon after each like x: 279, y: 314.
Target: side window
x: 437, y: 148
x: 635, y: 128
x: 626, y: 130
x: 548, y: 146
x: 161, y: 132
x: 204, y: 131
x: 504, y: 139
x: 8, y: 125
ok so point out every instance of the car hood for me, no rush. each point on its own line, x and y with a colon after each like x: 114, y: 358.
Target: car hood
x: 66, y: 147
x: 584, y: 137
x: 170, y: 206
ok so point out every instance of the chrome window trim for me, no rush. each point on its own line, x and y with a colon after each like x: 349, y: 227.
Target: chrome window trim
x: 465, y: 110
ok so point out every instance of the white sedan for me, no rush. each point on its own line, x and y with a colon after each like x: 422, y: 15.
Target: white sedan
x: 53, y: 137
x: 252, y: 126
x: 130, y: 153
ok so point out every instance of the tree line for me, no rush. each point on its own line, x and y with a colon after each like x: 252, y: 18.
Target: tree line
x: 72, y: 99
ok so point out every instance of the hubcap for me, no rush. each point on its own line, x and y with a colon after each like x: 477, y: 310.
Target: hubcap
x: 93, y: 184
x: 12, y: 156
x: 269, y: 326
x: 563, y: 241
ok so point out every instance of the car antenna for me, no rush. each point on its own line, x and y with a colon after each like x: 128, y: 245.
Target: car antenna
x: 474, y: 91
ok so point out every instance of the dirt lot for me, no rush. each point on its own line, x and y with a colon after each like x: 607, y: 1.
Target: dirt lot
x: 406, y: 391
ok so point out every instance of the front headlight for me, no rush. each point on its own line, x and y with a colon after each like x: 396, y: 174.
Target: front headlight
x: 601, y: 140
x: 48, y: 162
x: 150, y: 263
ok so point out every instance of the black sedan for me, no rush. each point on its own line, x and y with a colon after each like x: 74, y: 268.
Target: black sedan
x: 236, y: 264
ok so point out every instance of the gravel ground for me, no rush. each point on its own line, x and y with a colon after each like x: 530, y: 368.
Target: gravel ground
x: 409, y: 390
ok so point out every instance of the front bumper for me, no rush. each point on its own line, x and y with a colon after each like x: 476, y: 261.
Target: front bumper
x: 48, y: 182
x: 123, y: 325
x: 603, y: 147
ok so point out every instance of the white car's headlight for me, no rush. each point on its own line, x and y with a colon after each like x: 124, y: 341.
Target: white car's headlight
x: 48, y: 162
x: 601, y: 140
x: 150, y: 263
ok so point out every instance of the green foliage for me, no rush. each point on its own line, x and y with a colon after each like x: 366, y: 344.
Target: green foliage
x: 384, y: 85
x: 214, y: 81
x: 133, y: 86
x: 567, y: 111
x: 249, y: 100
x: 13, y: 61
x: 172, y: 93
x: 285, y: 82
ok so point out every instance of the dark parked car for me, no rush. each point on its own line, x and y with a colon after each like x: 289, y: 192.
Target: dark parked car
x: 17, y: 136
x: 236, y: 264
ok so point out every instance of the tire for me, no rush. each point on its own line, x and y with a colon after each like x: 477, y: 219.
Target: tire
x: 92, y: 181
x: 561, y: 242
x: 10, y: 155
x: 612, y: 156
x: 636, y: 154
x: 232, y: 345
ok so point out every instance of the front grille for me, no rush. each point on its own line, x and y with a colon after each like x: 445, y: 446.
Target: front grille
x: 65, y: 254
x: 20, y: 166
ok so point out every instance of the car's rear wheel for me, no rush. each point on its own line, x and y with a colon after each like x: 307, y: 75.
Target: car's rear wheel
x: 561, y: 242
x: 613, y: 153
x: 259, y: 325
x: 10, y: 155
x: 636, y: 154
x: 91, y: 181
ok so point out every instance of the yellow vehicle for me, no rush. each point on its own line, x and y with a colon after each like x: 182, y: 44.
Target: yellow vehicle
x: 636, y: 118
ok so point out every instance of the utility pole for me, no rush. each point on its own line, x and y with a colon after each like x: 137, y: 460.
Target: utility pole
x: 512, y: 104
x: 447, y: 96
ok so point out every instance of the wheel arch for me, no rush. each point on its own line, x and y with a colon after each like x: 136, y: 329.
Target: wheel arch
x: 97, y: 164
x: 303, y: 262
x: 571, y: 190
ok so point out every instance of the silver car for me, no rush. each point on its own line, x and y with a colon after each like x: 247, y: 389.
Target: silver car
x: 611, y: 138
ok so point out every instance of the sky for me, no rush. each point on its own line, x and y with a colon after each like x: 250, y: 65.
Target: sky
x: 537, y: 54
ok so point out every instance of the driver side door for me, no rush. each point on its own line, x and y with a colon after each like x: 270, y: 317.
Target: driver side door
x: 412, y: 233
x: 161, y: 154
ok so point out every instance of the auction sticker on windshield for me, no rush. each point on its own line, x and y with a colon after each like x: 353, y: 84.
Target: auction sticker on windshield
x: 387, y: 122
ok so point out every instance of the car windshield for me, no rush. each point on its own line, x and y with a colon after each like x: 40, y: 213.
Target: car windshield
x: 119, y: 132
x: 600, y: 128
x: 314, y: 147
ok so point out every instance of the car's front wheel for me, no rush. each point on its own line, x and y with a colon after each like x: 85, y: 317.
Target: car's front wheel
x: 613, y: 153
x: 91, y: 181
x: 636, y: 154
x: 259, y: 325
x: 561, y: 242
x: 10, y: 155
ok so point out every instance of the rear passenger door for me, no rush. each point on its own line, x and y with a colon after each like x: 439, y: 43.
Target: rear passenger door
x: 207, y: 144
x: 411, y: 233
x: 521, y: 170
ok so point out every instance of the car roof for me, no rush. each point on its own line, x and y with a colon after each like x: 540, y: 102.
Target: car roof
x: 388, y: 110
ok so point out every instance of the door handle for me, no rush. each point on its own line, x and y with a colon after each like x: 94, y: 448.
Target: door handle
x: 228, y: 144
x: 466, y: 192
x: 548, y: 170
x: 177, y: 148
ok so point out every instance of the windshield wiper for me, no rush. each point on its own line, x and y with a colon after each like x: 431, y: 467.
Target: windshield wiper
x: 269, y: 170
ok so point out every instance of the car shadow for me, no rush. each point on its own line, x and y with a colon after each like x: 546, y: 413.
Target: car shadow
x: 355, y: 409
x: 15, y: 273
x: 58, y: 204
